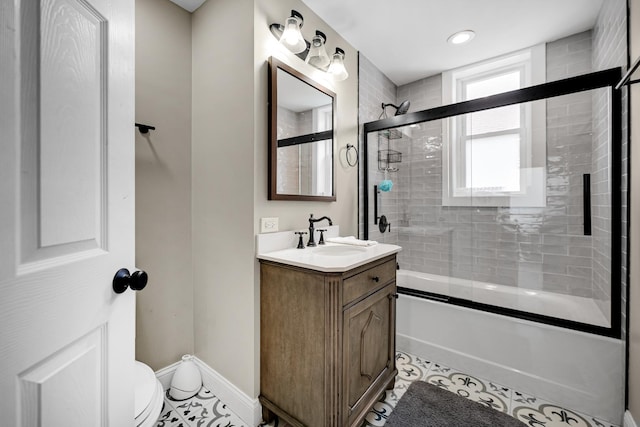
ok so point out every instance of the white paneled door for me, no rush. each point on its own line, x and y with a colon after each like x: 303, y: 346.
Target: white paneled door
x: 66, y: 212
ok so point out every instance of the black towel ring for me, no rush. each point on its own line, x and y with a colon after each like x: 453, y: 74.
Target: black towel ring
x: 349, y: 147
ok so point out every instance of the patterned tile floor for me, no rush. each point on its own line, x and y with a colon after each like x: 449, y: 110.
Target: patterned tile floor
x: 532, y: 411
x: 205, y: 409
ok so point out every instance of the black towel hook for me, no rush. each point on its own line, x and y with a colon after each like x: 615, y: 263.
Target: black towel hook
x: 145, y: 128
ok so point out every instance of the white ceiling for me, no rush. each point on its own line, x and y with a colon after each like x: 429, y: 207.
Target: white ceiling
x: 407, y: 39
x: 190, y: 5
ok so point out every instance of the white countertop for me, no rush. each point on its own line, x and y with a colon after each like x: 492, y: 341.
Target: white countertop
x: 332, y: 257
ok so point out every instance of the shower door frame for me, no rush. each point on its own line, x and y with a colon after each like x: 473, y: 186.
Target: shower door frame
x: 596, y: 80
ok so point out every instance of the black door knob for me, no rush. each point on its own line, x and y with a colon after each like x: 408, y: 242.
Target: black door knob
x: 123, y: 280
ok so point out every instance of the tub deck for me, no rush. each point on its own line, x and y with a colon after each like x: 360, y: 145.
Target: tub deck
x: 562, y: 306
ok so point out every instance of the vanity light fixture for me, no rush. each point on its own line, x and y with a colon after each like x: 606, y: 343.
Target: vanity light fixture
x: 314, y: 53
x: 290, y: 34
x: 318, y: 56
x: 337, y: 68
x: 461, y: 37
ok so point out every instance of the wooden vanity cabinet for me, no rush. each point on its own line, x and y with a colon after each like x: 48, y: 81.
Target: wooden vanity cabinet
x: 327, y: 342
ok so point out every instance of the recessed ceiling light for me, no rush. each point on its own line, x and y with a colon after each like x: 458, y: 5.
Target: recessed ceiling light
x: 461, y: 37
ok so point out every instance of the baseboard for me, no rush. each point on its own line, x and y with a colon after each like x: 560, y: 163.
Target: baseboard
x: 628, y: 420
x: 165, y: 375
x: 245, y: 407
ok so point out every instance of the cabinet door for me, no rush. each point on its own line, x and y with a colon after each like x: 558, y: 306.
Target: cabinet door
x: 369, y: 347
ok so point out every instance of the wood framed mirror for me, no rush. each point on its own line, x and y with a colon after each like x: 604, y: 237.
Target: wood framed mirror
x: 301, y: 136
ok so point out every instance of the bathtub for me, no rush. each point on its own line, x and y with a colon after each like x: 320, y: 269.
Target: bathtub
x: 578, y: 370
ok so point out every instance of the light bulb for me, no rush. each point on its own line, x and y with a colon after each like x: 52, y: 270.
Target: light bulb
x: 461, y: 37
x: 337, y: 68
x: 292, y: 36
x: 318, y: 56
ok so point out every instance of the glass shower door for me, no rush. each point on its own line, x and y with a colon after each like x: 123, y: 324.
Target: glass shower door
x: 538, y: 179
x: 513, y: 208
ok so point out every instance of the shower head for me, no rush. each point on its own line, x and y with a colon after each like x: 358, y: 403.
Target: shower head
x: 403, y: 108
x: 400, y: 109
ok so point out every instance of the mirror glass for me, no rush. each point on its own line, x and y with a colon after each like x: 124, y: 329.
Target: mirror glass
x: 301, y: 114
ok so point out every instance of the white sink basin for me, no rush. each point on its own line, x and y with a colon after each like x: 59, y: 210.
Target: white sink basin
x: 331, y: 257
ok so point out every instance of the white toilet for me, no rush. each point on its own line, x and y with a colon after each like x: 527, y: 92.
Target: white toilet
x: 149, y: 396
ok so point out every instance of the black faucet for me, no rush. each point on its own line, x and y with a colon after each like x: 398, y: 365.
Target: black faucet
x: 311, y: 241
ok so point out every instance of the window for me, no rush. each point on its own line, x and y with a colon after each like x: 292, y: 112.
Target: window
x: 495, y: 157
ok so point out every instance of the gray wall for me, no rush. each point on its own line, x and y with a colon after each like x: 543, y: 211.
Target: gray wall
x: 164, y: 310
x: 375, y: 89
x: 223, y: 185
x: 229, y: 177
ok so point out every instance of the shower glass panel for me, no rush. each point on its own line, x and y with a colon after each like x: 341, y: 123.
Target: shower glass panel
x: 540, y: 200
x: 508, y: 209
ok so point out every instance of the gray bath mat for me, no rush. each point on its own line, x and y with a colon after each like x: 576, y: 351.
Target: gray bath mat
x: 426, y: 405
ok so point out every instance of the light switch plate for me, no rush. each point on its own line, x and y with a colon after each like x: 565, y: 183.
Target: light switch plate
x: 268, y: 225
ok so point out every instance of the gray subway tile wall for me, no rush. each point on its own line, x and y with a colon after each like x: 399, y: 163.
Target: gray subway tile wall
x: 609, y: 50
x: 374, y: 89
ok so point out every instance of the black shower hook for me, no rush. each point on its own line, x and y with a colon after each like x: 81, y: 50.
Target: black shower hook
x: 145, y: 128
x: 349, y: 147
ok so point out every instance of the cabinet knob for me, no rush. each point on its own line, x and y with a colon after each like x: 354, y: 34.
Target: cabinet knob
x: 375, y: 279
